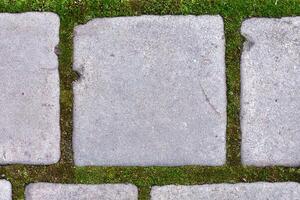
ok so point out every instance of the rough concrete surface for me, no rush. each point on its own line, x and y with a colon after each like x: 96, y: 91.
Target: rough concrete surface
x: 152, y: 91
x: 270, y: 98
x: 48, y: 191
x: 29, y: 85
x: 240, y: 191
x: 5, y: 190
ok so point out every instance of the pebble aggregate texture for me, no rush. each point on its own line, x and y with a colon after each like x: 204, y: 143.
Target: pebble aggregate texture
x: 152, y: 91
x: 48, y: 191
x: 270, y: 100
x: 29, y: 81
x: 240, y: 191
x: 5, y: 190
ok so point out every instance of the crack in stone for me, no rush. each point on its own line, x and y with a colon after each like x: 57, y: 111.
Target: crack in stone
x: 208, y: 101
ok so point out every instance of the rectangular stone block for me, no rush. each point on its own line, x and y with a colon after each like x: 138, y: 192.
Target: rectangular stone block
x: 152, y: 91
x: 49, y: 191
x: 5, y: 190
x: 240, y: 191
x: 270, y: 92
x: 29, y: 85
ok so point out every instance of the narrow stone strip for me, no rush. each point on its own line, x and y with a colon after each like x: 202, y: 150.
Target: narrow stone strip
x: 240, y: 191
x: 49, y: 191
x: 270, y: 92
x: 29, y: 85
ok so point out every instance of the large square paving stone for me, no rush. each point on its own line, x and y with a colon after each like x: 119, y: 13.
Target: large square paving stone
x: 270, y: 100
x: 240, y: 191
x: 49, y: 191
x: 5, y: 190
x: 152, y: 91
x: 29, y: 85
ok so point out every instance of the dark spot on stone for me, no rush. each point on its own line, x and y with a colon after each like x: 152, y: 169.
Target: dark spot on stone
x: 112, y: 55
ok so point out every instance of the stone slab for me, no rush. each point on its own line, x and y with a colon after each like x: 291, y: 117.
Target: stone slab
x: 5, y: 190
x: 240, y: 191
x: 270, y: 92
x: 152, y: 91
x: 29, y: 85
x: 49, y: 191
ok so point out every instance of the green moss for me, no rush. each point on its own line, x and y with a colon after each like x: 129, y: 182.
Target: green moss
x: 77, y: 12
x: 145, y: 177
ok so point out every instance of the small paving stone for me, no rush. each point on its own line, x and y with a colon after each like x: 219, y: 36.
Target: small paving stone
x: 29, y: 85
x: 240, y: 191
x: 270, y: 100
x: 48, y: 191
x: 152, y: 91
x: 5, y: 190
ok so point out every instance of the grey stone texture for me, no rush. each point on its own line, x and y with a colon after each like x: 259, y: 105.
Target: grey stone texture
x: 29, y: 84
x: 270, y: 92
x: 49, y: 191
x: 240, y: 191
x: 5, y: 190
x: 152, y: 91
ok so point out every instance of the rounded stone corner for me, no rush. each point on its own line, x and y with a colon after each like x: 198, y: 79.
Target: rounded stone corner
x: 246, y: 23
x: 78, y: 162
x: 133, y: 187
x: 56, y: 158
x: 28, y: 187
x: 220, y: 18
x: 220, y: 163
x: 223, y: 162
x: 7, y: 184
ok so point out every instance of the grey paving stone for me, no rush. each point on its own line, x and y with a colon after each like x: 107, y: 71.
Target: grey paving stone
x: 241, y: 191
x: 48, y: 191
x: 29, y: 84
x: 152, y: 91
x: 5, y: 190
x: 270, y: 99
